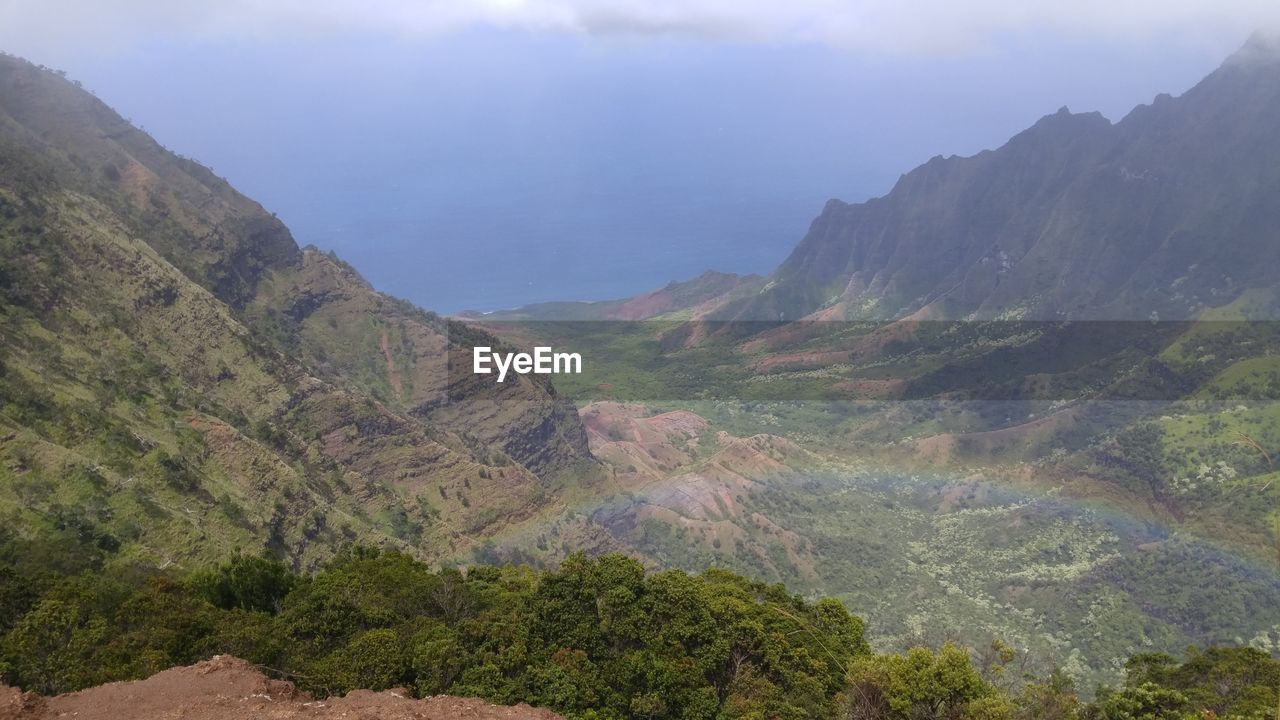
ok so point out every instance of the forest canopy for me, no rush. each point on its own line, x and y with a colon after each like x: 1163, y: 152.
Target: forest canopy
x: 597, y: 638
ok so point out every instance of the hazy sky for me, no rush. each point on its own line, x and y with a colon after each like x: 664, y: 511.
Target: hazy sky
x: 488, y: 153
x: 872, y: 25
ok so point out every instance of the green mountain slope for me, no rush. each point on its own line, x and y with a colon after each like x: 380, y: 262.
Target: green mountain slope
x: 179, y: 377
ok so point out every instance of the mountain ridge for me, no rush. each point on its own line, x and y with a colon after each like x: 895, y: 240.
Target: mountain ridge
x: 167, y: 342
x: 1080, y: 322
x: 1074, y: 217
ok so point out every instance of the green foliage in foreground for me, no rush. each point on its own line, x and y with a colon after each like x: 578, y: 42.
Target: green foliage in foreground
x: 598, y: 638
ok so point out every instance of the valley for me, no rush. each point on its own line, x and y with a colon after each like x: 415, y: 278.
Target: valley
x: 1028, y: 400
x: 1085, y: 474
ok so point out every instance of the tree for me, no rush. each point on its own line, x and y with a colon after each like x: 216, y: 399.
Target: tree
x: 51, y: 649
x: 921, y: 685
x: 374, y: 660
x: 1147, y: 701
x: 246, y: 582
x: 437, y: 658
x: 1053, y: 699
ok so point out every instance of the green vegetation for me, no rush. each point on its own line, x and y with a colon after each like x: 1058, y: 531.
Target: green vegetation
x: 178, y: 378
x: 1086, y: 491
x: 597, y: 638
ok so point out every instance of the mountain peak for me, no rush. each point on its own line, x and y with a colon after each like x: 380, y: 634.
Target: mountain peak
x: 1262, y: 48
x: 1073, y: 217
x: 1063, y: 123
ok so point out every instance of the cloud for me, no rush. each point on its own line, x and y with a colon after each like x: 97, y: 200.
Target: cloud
x: 878, y: 26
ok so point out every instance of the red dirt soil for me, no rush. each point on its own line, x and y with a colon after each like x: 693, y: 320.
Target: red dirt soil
x: 227, y: 688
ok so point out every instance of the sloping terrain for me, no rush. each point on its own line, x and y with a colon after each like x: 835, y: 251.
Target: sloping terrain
x: 226, y: 688
x: 682, y: 487
x: 179, y: 378
x: 1036, y: 392
x: 1168, y: 211
x: 1075, y: 558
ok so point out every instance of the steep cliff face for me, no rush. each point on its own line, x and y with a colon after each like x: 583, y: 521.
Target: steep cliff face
x: 178, y: 377
x: 1173, y: 209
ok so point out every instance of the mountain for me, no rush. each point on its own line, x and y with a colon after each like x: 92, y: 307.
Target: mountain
x: 1168, y: 211
x: 178, y: 377
x: 178, y: 380
x: 977, y: 427
x: 681, y: 298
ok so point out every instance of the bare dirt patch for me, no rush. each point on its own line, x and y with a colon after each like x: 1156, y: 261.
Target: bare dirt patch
x: 227, y: 688
x: 393, y: 376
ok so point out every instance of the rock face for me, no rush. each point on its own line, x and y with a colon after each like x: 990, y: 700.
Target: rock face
x: 227, y: 688
x: 1174, y: 208
x: 214, y: 385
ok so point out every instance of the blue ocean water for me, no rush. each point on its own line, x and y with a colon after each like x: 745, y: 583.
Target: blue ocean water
x: 451, y: 242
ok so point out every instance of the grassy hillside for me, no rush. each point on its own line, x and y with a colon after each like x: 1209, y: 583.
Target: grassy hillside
x: 179, y: 378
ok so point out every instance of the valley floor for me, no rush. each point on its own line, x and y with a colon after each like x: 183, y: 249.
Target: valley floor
x: 1074, y: 573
